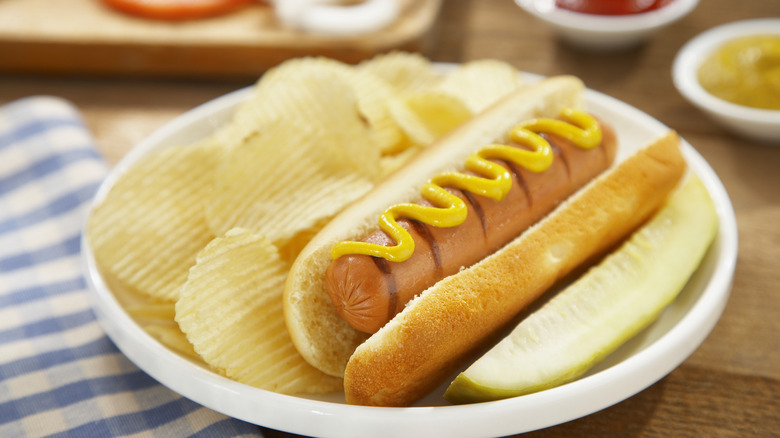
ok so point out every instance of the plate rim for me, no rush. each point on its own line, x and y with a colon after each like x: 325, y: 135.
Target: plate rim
x: 502, y: 417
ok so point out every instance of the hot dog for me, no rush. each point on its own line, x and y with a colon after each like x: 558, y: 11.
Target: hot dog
x: 457, y: 315
x: 455, y: 318
x: 368, y: 290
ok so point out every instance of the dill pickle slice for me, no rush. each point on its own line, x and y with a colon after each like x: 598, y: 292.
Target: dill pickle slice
x: 600, y: 311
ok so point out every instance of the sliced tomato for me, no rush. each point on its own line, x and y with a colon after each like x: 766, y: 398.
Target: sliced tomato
x: 176, y: 9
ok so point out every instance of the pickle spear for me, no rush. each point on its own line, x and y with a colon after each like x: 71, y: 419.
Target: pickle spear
x: 600, y: 311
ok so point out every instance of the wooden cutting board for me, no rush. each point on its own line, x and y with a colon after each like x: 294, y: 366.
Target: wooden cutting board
x: 86, y: 37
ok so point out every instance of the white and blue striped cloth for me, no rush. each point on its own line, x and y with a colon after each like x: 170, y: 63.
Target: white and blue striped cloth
x: 59, y: 373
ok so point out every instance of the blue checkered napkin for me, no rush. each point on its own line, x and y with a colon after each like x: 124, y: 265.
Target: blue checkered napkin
x: 59, y: 373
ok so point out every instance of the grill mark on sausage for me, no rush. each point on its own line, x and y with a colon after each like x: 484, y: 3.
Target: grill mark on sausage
x: 521, y: 181
x: 392, y: 288
x: 425, y: 233
x: 478, y: 210
x: 558, y: 152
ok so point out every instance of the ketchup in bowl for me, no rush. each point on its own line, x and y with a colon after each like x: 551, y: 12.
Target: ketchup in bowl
x: 611, y: 7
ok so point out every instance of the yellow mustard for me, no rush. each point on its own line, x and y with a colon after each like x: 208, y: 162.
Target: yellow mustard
x: 745, y: 71
x: 494, y: 181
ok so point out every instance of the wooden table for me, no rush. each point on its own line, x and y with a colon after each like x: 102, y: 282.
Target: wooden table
x: 731, y: 385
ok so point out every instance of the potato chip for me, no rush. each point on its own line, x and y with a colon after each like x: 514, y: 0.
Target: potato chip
x: 151, y: 224
x: 406, y: 72
x: 152, y: 311
x: 155, y: 317
x: 427, y: 116
x: 481, y: 83
x: 230, y: 308
x: 308, y: 91
x: 305, y: 145
x: 127, y: 296
x: 391, y: 163
x: 284, y: 180
x: 372, y: 95
x: 290, y: 250
x: 319, y: 83
x: 172, y: 337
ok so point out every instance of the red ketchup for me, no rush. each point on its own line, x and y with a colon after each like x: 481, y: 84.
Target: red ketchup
x: 611, y: 7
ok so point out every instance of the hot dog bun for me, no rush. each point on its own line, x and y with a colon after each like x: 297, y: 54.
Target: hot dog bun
x: 450, y: 321
x: 324, y: 339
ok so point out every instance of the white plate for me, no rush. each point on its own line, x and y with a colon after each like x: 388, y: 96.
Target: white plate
x: 634, y: 367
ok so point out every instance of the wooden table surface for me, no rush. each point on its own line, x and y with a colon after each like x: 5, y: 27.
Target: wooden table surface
x: 731, y: 385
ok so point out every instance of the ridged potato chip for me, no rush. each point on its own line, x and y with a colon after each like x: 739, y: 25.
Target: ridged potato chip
x: 152, y: 223
x: 320, y: 83
x: 291, y: 248
x: 305, y: 150
x: 373, y: 93
x: 152, y: 311
x: 370, y: 94
x: 320, y: 94
x: 316, y: 92
x: 230, y: 308
x: 172, y: 337
x: 428, y: 115
x: 406, y: 72
x: 391, y: 163
x: 155, y: 317
x: 284, y: 180
x: 480, y: 84
x: 158, y: 319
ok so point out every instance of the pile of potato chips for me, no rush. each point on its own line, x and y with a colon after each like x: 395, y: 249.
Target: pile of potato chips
x: 196, y: 239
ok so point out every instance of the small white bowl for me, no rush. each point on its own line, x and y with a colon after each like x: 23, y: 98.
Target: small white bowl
x: 762, y: 125
x: 606, y: 32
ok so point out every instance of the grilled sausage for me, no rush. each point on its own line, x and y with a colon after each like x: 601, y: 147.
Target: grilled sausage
x: 368, y: 291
